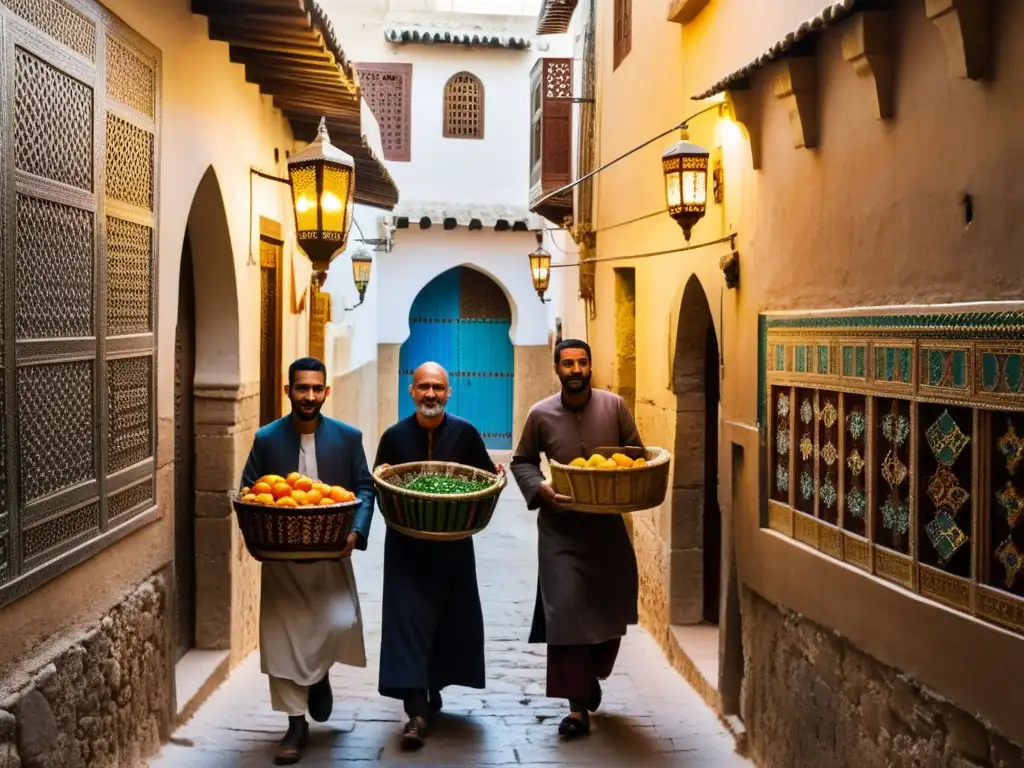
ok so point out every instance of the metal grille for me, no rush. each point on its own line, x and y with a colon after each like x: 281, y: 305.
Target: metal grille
x: 129, y: 277
x: 129, y: 163
x: 53, y: 120
x: 133, y: 499
x: 128, y: 387
x: 60, y: 22
x: 130, y: 79
x: 52, y: 537
x: 56, y: 444
x: 464, y: 107
x: 387, y: 90
x: 54, y: 265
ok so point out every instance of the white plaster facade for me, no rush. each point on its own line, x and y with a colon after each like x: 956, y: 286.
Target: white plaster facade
x: 461, y: 173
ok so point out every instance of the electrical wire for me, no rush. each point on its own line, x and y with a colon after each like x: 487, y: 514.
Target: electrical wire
x: 726, y: 239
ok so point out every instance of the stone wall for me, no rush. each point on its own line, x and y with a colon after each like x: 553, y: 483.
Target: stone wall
x: 103, y: 701
x: 811, y: 698
x: 353, y: 400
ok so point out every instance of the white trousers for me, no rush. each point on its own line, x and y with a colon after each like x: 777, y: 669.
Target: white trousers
x: 288, y: 697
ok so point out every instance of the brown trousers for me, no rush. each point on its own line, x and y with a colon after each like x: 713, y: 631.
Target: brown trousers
x: 572, y: 669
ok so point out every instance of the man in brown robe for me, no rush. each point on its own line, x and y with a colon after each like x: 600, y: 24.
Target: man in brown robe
x: 587, y: 590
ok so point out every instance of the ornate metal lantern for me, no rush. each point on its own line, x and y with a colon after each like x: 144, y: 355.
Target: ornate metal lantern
x: 323, y: 180
x: 540, y: 270
x: 361, y: 262
x: 685, y: 166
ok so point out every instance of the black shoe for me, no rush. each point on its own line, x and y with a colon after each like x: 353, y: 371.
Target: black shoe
x: 595, y: 696
x: 436, y: 702
x: 414, y: 735
x: 577, y: 724
x: 290, y: 750
x: 321, y: 700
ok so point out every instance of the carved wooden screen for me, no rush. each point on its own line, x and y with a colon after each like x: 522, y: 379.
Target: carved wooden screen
x: 464, y: 107
x: 551, y: 126
x: 387, y: 89
x: 77, y: 318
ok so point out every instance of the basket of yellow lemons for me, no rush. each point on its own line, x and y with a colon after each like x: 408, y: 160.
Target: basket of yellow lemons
x: 614, y: 480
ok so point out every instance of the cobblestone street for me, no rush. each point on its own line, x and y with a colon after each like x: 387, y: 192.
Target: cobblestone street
x: 650, y: 716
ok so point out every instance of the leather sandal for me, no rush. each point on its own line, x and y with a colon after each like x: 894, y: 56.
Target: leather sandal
x: 576, y: 724
x: 414, y: 735
x: 290, y: 750
x: 321, y: 700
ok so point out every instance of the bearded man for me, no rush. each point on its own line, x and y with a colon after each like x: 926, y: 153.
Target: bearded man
x: 309, y: 611
x: 432, y: 632
x: 588, y: 584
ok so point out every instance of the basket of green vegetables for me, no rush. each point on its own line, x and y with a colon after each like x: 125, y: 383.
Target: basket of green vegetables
x: 437, y: 500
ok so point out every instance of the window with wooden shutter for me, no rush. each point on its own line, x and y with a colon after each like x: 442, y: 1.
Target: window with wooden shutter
x: 387, y: 89
x: 551, y: 89
x: 623, y: 30
x: 464, y: 107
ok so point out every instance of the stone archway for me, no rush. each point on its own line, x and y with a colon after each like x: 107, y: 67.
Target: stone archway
x: 225, y: 415
x: 696, y: 531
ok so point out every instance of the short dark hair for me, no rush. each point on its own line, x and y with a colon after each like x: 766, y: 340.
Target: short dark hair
x: 570, y: 344
x: 306, y: 364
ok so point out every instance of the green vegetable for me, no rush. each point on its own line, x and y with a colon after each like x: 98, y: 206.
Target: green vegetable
x: 442, y: 485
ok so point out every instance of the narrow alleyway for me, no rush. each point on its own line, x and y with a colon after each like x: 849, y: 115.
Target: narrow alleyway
x: 650, y: 716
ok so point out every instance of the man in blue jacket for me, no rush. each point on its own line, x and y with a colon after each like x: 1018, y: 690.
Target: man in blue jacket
x: 309, y: 612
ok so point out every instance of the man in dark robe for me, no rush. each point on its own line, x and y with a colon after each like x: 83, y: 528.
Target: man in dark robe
x: 588, y: 584
x: 432, y: 631
x: 309, y: 611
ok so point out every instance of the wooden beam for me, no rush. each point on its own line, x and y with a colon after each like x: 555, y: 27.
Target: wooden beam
x: 277, y: 8
x: 746, y: 110
x: 868, y: 45
x: 965, y: 26
x: 797, y: 87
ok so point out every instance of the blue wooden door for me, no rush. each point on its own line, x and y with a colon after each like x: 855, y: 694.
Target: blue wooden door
x: 461, y: 319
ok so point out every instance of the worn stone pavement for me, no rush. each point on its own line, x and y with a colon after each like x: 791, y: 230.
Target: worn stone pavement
x: 650, y: 716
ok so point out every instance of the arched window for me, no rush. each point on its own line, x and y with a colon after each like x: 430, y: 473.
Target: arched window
x: 464, y: 107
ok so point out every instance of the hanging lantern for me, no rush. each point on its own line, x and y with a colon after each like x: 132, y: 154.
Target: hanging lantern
x: 361, y: 262
x: 540, y: 271
x: 323, y: 180
x: 685, y: 166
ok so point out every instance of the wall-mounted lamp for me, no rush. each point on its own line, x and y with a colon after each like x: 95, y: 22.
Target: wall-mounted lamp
x: 361, y: 263
x: 685, y: 167
x: 540, y: 268
x: 730, y: 266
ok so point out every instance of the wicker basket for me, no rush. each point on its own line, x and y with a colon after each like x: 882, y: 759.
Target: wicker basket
x: 614, y: 491
x: 295, y: 533
x: 429, y: 516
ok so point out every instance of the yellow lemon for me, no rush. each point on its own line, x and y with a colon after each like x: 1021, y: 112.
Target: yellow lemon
x: 580, y: 462
x: 608, y: 464
x: 596, y: 460
x: 639, y: 463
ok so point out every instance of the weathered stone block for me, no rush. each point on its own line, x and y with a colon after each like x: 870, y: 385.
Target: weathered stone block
x: 687, y: 529
x: 220, y: 459
x: 686, y: 586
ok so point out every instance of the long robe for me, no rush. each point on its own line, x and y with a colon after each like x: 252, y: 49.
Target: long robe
x: 432, y: 630
x: 588, y: 583
x: 309, y: 612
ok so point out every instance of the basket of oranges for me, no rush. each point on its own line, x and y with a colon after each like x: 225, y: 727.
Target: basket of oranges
x: 614, y: 480
x: 295, y: 518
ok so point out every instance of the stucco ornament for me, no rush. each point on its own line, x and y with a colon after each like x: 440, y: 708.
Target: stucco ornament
x: 782, y: 478
x: 828, y: 494
x: 1011, y: 559
x: 856, y: 503
x: 1012, y: 447
x: 855, y: 463
x: 855, y: 423
x: 946, y: 440
x: 806, y: 485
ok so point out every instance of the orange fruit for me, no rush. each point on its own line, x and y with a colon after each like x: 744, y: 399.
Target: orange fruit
x: 246, y: 490
x: 326, y: 501
x: 324, y: 488
x: 286, y: 501
x: 349, y: 496
x: 265, y: 498
x: 271, y: 479
x: 281, y: 490
x: 314, y: 497
x: 262, y: 487
x: 639, y: 463
x: 300, y: 498
x: 249, y: 498
x: 338, y: 493
x: 303, y: 484
x: 292, y: 478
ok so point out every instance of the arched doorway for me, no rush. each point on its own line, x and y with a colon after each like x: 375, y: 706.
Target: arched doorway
x: 461, y: 320
x: 184, y: 460
x: 696, y: 545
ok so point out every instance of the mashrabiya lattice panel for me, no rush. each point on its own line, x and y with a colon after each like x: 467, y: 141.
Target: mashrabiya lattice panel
x: 464, y: 107
x: 131, y: 80
x: 55, y: 427
x: 129, y: 163
x: 61, y: 22
x: 54, y: 263
x: 129, y: 277
x: 53, y: 122
x: 930, y: 380
x: 129, y: 387
x: 52, y: 537
x: 129, y: 502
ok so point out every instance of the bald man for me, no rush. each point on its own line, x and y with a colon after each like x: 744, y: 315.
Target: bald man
x: 432, y: 634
